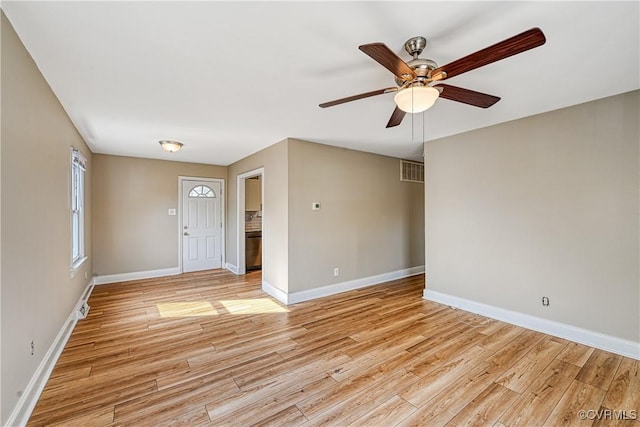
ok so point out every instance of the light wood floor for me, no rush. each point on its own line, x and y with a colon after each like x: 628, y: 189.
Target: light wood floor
x: 212, y: 349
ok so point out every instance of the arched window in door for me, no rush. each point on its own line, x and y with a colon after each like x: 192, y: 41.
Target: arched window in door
x: 201, y: 191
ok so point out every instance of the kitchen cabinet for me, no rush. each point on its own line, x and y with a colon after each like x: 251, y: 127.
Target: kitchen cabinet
x: 253, y: 195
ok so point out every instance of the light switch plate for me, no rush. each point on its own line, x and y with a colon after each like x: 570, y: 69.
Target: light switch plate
x: 315, y: 206
x: 171, y: 211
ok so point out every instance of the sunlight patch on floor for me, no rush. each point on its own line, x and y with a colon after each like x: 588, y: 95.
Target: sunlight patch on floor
x: 253, y: 306
x: 186, y: 309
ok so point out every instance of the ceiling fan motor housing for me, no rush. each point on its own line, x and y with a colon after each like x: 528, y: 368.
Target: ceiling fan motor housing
x: 422, y: 67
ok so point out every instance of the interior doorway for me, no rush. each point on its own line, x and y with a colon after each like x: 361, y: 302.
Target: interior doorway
x: 250, y: 220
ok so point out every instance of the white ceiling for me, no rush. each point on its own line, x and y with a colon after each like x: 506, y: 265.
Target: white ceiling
x: 230, y: 78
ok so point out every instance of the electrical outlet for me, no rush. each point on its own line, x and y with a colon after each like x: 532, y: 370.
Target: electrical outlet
x: 33, y: 348
x: 545, y: 301
x: 336, y: 272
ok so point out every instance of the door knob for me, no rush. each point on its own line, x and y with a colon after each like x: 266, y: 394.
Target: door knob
x: 186, y: 234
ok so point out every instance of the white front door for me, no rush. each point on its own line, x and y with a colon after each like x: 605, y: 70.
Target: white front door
x: 201, y: 225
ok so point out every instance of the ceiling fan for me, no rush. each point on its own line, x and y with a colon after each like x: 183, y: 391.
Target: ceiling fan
x: 417, y: 80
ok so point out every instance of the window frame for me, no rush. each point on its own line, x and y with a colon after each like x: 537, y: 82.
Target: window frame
x: 200, y: 194
x: 76, y: 210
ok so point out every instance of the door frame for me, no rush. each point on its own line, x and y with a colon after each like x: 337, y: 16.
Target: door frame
x: 223, y: 245
x: 240, y: 186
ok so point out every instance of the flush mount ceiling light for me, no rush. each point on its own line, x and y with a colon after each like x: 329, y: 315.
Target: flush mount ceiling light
x: 171, y: 146
x: 416, y: 99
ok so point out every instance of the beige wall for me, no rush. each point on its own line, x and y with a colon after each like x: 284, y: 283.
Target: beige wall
x: 275, y: 216
x: 38, y: 293
x: 369, y: 222
x: 542, y: 206
x: 132, y: 231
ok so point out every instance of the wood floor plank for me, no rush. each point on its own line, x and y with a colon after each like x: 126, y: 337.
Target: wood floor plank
x: 97, y: 418
x: 319, y: 402
x: 534, y: 406
x: 486, y: 408
x: 362, y: 402
x: 64, y: 408
x: 273, y: 404
x: 167, y: 403
x: 290, y: 416
x: 212, y: 349
x: 320, y: 359
x: 501, y: 337
x: 453, y: 398
x: 515, y: 349
x: 187, y: 418
x: 441, y: 354
x: 520, y: 376
x: 492, y: 327
x: 600, y: 369
x: 60, y: 376
x: 624, y: 392
x: 365, y: 354
x: 229, y: 408
x: 578, y: 397
x: 575, y: 353
x: 388, y: 413
x: 435, y: 378
x: 388, y: 360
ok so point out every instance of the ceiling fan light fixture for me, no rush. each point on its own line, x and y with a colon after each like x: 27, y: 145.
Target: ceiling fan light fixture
x: 416, y: 99
x: 171, y: 146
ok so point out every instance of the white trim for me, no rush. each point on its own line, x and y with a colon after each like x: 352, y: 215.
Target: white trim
x: 278, y: 294
x: 573, y: 333
x: 76, y: 266
x: 77, y: 200
x: 240, y: 187
x: 136, y: 275
x: 336, y: 288
x: 232, y: 268
x: 223, y: 243
x: 27, y: 402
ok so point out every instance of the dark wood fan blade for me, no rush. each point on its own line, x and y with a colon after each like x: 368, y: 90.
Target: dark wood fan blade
x: 389, y: 60
x: 509, y: 47
x: 467, y: 96
x: 396, y: 118
x: 359, y: 96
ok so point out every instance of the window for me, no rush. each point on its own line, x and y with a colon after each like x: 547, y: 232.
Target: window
x: 201, y: 191
x: 78, y: 167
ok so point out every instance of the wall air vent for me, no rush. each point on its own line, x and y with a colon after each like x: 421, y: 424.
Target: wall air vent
x: 83, y: 310
x: 411, y: 171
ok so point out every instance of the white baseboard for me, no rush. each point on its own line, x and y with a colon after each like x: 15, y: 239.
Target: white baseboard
x: 278, y: 294
x: 232, y: 268
x: 562, y: 330
x: 336, y: 288
x: 136, y: 275
x: 23, y: 409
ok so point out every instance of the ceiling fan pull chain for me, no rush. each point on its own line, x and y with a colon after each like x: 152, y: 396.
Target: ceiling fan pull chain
x: 412, y: 127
